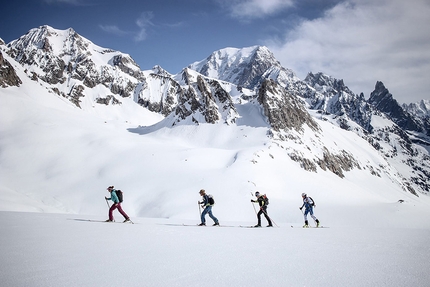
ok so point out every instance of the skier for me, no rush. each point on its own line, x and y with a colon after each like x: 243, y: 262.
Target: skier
x: 263, y: 202
x: 116, y: 204
x: 207, y: 209
x: 309, y: 204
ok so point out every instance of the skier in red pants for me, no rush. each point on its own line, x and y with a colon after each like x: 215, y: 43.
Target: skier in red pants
x: 116, y: 204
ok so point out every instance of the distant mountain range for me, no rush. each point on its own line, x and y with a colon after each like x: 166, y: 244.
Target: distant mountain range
x: 222, y: 88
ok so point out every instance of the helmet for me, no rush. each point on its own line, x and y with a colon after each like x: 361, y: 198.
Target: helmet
x: 303, y: 194
x: 257, y: 193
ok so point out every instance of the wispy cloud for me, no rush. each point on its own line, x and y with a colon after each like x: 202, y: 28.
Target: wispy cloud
x: 251, y: 9
x: 113, y: 29
x: 143, y: 22
x: 363, y: 41
x: 69, y: 2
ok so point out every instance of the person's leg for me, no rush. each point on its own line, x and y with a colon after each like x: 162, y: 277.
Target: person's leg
x: 267, y: 217
x: 111, y: 209
x: 203, y: 215
x: 259, y: 217
x: 211, y: 215
x: 314, y: 217
x: 306, y: 217
x: 122, y: 211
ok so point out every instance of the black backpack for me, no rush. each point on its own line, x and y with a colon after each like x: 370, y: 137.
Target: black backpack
x: 211, y: 199
x: 119, y: 195
x: 313, y: 202
x: 266, y: 199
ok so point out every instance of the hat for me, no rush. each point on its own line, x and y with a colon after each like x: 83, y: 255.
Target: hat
x: 257, y: 193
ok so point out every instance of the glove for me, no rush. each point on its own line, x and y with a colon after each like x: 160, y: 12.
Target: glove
x: 105, y: 197
x: 300, y: 208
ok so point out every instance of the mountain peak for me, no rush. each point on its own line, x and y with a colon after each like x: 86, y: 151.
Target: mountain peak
x: 243, y: 67
x: 383, y: 101
x: 321, y: 79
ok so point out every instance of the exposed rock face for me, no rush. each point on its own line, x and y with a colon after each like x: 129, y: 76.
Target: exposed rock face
x: 331, y: 96
x: 8, y: 75
x: 284, y: 111
x: 204, y: 101
x: 421, y: 113
x: 158, y: 93
x: 38, y: 51
x: 383, y: 101
x: 337, y: 163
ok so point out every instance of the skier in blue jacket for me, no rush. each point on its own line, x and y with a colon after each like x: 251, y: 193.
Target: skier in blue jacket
x: 309, y: 204
x: 207, y: 209
x: 116, y: 204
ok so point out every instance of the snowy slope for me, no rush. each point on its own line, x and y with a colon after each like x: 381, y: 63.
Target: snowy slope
x: 64, y: 158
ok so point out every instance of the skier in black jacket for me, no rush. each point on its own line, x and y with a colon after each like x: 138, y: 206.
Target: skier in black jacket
x: 262, y: 201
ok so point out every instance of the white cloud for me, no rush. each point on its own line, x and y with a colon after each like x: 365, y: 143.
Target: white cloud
x: 70, y: 2
x: 248, y: 9
x: 143, y: 22
x: 365, y: 41
x: 113, y: 29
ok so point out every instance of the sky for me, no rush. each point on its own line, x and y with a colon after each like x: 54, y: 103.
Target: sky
x: 359, y: 41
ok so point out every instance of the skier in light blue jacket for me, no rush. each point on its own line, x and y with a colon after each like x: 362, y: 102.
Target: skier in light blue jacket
x: 309, y: 204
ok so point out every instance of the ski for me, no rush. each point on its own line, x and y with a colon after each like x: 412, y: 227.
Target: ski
x: 103, y: 221
x: 309, y: 227
x: 196, y: 225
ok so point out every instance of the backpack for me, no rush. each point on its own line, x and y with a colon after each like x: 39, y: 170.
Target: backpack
x: 211, y: 199
x: 266, y: 199
x: 119, y: 195
x: 313, y: 202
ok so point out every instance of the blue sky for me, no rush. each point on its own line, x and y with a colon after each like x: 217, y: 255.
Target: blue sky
x: 360, y: 41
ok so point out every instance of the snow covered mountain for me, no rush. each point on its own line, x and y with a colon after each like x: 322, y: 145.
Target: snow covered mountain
x: 234, y: 118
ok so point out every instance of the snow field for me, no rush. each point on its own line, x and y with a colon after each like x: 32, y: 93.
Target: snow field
x: 65, y: 250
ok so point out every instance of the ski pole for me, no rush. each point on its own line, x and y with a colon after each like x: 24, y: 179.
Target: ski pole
x: 200, y: 209
x: 303, y: 214
x: 253, y: 205
x: 269, y: 218
x: 107, y: 202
